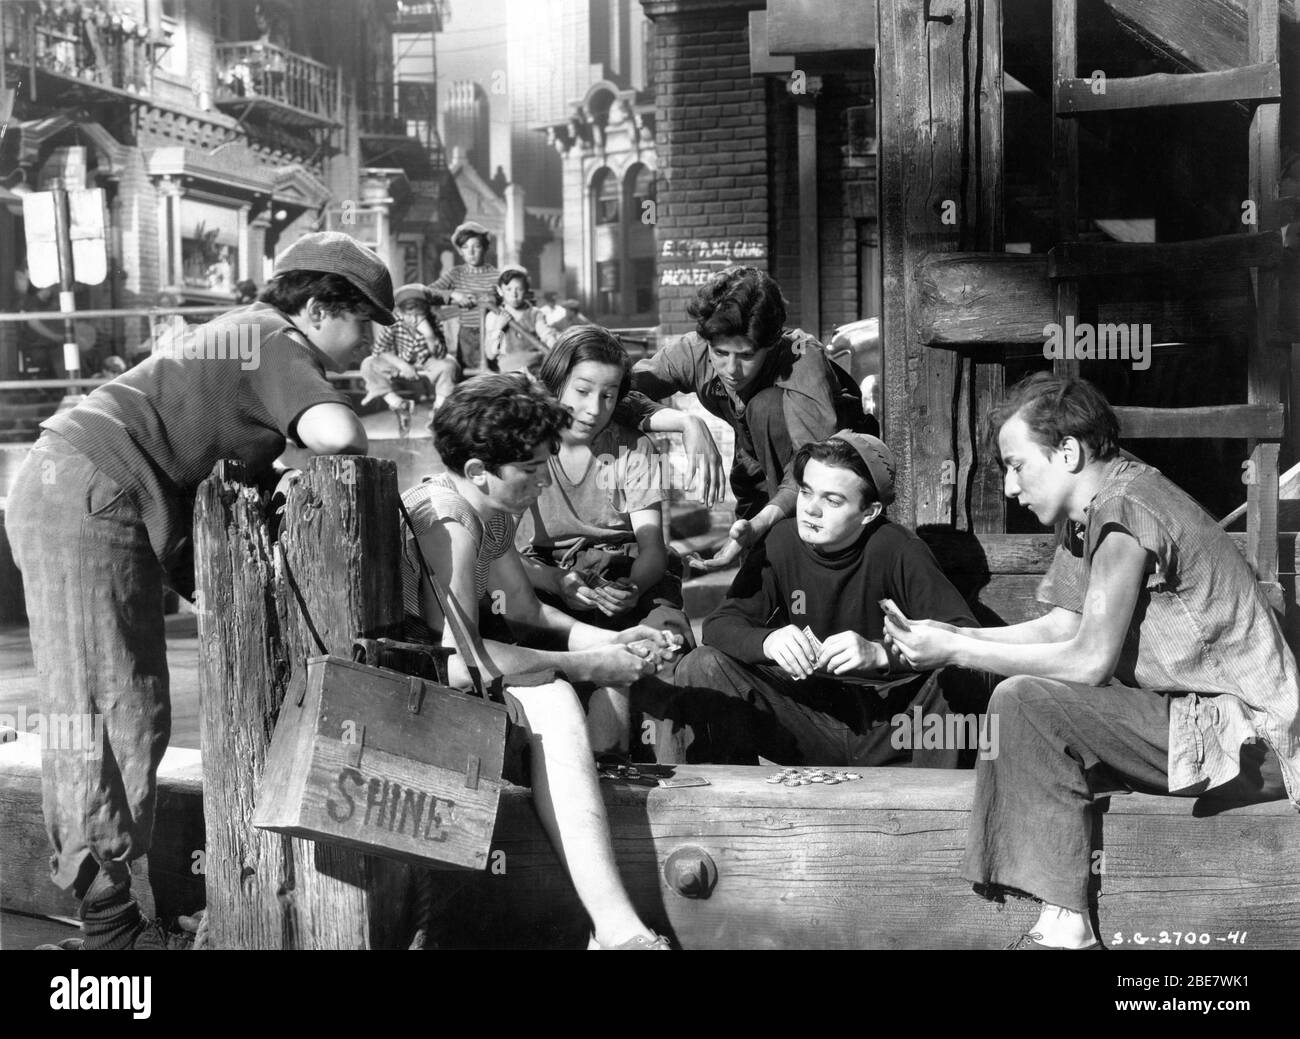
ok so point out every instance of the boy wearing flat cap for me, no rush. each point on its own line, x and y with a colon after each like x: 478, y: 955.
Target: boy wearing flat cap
x: 409, y: 355
x: 467, y: 285
x: 796, y: 670
x: 100, y: 519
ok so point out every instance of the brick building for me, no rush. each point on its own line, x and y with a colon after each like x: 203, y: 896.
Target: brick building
x: 748, y: 147
x: 219, y: 132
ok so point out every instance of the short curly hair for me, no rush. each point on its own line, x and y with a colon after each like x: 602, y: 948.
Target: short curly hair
x: 498, y: 419
x: 740, y: 301
x: 290, y: 292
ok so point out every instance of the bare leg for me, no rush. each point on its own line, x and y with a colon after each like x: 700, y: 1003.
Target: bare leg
x: 609, y: 719
x: 567, y: 796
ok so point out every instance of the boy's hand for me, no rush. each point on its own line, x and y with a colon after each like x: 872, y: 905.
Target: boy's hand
x: 739, y: 537
x: 575, y: 591
x: 790, y: 649
x: 464, y: 299
x: 849, y: 651
x: 618, y: 664
x: 614, y: 599
x: 666, y: 642
x: 703, y: 460
x: 925, y: 645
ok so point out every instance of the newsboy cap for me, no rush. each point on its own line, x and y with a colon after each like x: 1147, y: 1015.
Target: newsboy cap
x: 333, y: 252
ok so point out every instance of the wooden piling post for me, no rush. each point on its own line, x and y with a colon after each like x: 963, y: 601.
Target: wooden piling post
x: 262, y: 610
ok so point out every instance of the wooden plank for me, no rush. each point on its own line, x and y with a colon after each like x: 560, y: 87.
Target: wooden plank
x: 339, y: 566
x: 170, y: 877
x: 1065, y: 164
x: 940, y: 126
x: 963, y: 555
x: 1266, y: 364
x: 1222, y: 252
x: 1008, y: 299
x: 1261, y: 82
x: 1203, y: 35
x: 876, y: 864
x: 1226, y: 420
x: 820, y: 26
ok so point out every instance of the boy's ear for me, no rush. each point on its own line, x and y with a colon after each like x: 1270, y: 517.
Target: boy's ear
x: 315, y: 310
x: 475, y: 471
x: 873, y: 510
x: 1075, y: 456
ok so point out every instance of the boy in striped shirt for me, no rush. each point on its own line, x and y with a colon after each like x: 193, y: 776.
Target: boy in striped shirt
x: 464, y: 285
x: 1159, y: 667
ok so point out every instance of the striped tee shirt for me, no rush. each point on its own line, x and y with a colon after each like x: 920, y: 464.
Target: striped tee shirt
x: 233, y: 388
x: 1201, y: 627
x: 434, y: 501
x: 480, y: 281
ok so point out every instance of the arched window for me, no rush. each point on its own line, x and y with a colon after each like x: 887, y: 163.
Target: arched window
x: 604, y: 192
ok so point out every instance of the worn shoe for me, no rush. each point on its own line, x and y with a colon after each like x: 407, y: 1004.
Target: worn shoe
x: 156, y: 935
x: 1030, y: 941
x: 67, y: 945
x: 637, y: 942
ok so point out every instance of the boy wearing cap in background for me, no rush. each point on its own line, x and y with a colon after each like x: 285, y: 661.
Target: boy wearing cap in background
x: 410, y: 355
x: 464, y: 286
x: 797, y: 671
x: 100, y: 519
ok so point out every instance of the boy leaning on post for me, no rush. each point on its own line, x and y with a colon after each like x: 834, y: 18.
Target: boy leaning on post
x: 1159, y: 667
x: 100, y: 520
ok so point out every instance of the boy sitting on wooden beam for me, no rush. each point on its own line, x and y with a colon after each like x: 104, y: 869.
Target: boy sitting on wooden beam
x: 1160, y: 666
x: 496, y: 434
x: 793, y: 666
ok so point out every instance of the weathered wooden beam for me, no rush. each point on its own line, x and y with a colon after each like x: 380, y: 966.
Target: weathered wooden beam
x: 1222, y: 252
x: 1204, y: 35
x: 1261, y: 82
x: 962, y: 554
x: 876, y: 864
x: 262, y: 612
x: 820, y: 26
x: 1225, y: 420
x: 1266, y: 365
x: 1008, y: 299
x: 940, y: 124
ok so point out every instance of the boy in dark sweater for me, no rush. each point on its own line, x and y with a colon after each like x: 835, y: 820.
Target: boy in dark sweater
x: 793, y: 666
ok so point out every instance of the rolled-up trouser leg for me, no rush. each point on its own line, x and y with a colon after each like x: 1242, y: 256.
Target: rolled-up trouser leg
x: 94, y: 604
x: 1059, y: 745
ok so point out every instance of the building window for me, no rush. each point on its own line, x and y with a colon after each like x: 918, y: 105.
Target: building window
x: 605, y: 194
x: 211, y: 238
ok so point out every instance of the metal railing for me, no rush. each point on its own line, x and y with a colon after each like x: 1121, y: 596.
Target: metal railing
x: 253, y: 69
x: 85, y: 42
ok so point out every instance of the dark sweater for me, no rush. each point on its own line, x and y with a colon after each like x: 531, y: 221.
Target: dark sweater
x: 840, y: 592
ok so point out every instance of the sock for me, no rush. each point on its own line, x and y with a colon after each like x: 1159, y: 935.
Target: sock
x: 110, y: 919
x: 393, y: 401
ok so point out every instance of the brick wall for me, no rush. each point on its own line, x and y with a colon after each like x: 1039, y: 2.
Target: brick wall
x: 711, y: 137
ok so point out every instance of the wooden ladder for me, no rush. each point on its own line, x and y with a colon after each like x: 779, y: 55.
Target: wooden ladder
x: 1072, y: 262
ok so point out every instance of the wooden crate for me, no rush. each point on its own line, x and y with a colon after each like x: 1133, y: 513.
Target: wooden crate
x: 383, y: 762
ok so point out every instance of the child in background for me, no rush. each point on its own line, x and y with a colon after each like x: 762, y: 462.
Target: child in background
x: 506, y: 345
x: 463, y: 286
x: 593, y: 542
x: 410, y: 356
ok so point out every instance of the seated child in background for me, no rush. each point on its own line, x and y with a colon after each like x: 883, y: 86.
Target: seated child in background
x: 496, y: 434
x: 592, y: 543
x: 411, y: 357
x: 506, y: 332
x: 796, y: 670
